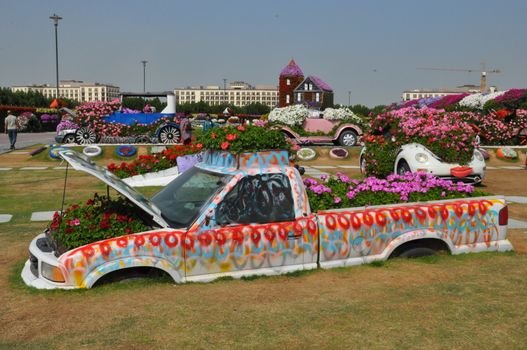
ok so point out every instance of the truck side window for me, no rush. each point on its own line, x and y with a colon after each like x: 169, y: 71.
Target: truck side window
x: 258, y: 199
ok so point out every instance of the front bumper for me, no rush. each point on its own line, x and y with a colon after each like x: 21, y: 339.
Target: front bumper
x: 32, y: 271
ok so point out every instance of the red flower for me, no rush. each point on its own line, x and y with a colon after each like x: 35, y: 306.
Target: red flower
x: 240, y: 128
x: 90, y: 202
x: 231, y: 137
x: 224, y: 145
x: 104, y: 224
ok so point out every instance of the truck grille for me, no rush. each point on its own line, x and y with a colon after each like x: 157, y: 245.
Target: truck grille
x: 33, y: 264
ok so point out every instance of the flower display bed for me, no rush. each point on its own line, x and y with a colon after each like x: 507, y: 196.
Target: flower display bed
x: 340, y: 191
x: 444, y: 133
x: 154, y: 162
x: 506, y: 153
x: 239, y: 139
x: 306, y: 153
x: 97, y: 219
x: 338, y: 153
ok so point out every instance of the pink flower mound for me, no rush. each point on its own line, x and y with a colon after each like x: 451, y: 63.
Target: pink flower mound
x: 448, y: 100
x: 446, y: 134
x: 511, y: 95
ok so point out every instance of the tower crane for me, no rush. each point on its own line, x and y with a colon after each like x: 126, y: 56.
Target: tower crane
x: 483, y: 71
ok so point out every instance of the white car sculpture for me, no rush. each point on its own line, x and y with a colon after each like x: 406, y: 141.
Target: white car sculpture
x: 414, y: 157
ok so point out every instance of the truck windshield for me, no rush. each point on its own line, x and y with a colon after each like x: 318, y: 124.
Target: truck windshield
x: 182, y: 200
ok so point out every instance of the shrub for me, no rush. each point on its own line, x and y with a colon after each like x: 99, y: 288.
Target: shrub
x: 98, y: 219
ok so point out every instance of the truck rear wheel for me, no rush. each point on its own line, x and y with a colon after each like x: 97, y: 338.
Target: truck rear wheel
x: 348, y: 138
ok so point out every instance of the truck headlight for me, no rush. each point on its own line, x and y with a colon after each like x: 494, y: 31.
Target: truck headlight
x: 52, y: 273
x: 421, y: 157
x: 478, y: 156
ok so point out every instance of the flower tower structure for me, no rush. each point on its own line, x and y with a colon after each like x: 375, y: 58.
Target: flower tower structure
x: 290, y: 77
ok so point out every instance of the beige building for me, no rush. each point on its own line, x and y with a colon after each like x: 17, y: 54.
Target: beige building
x: 74, y: 90
x: 236, y: 93
x: 422, y: 93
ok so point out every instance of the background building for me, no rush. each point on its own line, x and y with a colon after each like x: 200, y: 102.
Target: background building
x: 421, y: 93
x: 74, y: 90
x: 237, y: 93
x: 295, y: 89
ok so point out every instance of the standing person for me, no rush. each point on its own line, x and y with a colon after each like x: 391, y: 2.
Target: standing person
x: 186, y: 130
x: 11, y: 128
x: 207, y: 124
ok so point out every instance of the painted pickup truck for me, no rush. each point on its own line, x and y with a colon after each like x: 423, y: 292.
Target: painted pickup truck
x: 249, y: 215
x: 347, y: 134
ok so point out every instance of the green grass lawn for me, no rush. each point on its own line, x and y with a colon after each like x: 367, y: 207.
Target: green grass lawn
x: 473, y: 301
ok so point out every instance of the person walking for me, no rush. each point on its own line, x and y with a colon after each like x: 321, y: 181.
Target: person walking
x: 11, y: 128
x: 186, y: 129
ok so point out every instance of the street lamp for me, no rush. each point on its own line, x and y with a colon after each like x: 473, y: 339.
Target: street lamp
x: 56, y: 20
x: 144, y: 75
x: 349, y: 98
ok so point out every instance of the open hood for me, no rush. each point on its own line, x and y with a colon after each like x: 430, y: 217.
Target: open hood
x: 80, y: 162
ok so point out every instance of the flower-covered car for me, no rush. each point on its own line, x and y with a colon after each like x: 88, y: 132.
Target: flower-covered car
x: 415, y: 157
x: 104, y: 122
x: 250, y: 214
x: 303, y: 126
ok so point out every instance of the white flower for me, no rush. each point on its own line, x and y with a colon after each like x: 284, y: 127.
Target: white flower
x: 478, y: 100
x: 341, y: 114
x: 290, y: 115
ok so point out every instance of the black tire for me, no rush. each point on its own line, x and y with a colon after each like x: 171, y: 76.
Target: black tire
x: 403, y: 167
x: 70, y: 138
x: 417, y: 252
x: 169, y: 134
x: 142, y: 139
x: 521, y: 137
x: 348, y: 138
x: 85, y: 136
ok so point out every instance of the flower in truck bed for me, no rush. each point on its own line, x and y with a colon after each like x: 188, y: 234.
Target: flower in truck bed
x: 342, y: 192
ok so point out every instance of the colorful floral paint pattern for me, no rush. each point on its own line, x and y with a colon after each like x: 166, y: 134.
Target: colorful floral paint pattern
x: 348, y: 234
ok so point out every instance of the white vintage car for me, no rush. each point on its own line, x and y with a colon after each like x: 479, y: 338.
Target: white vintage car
x: 414, y: 157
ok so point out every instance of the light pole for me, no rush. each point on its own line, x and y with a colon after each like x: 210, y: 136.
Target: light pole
x: 349, y: 98
x: 56, y: 20
x: 144, y: 75
x: 224, y: 90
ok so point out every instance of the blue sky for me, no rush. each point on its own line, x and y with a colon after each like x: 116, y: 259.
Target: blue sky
x: 371, y: 48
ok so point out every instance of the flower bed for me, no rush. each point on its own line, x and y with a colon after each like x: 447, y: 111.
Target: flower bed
x: 153, y: 163
x: 443, y: 133
x: 342, y: 192
x: 97, y: 219
x: 290, y: 115
x: 240, y: 139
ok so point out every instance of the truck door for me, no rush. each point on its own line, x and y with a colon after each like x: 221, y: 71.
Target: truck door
x: 253, y: 228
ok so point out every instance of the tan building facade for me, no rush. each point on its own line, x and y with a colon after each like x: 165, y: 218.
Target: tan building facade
x: 236, y: 93
x: 74, y: 90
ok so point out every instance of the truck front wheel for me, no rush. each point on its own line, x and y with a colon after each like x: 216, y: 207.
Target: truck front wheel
x: 348, y: 138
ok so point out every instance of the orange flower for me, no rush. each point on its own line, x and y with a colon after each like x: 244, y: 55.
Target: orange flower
x: 240, y: 128
x: 213, y: 135
x: 224, y: 145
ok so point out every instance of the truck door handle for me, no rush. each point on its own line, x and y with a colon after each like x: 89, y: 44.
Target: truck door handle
x: 293, y: 236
